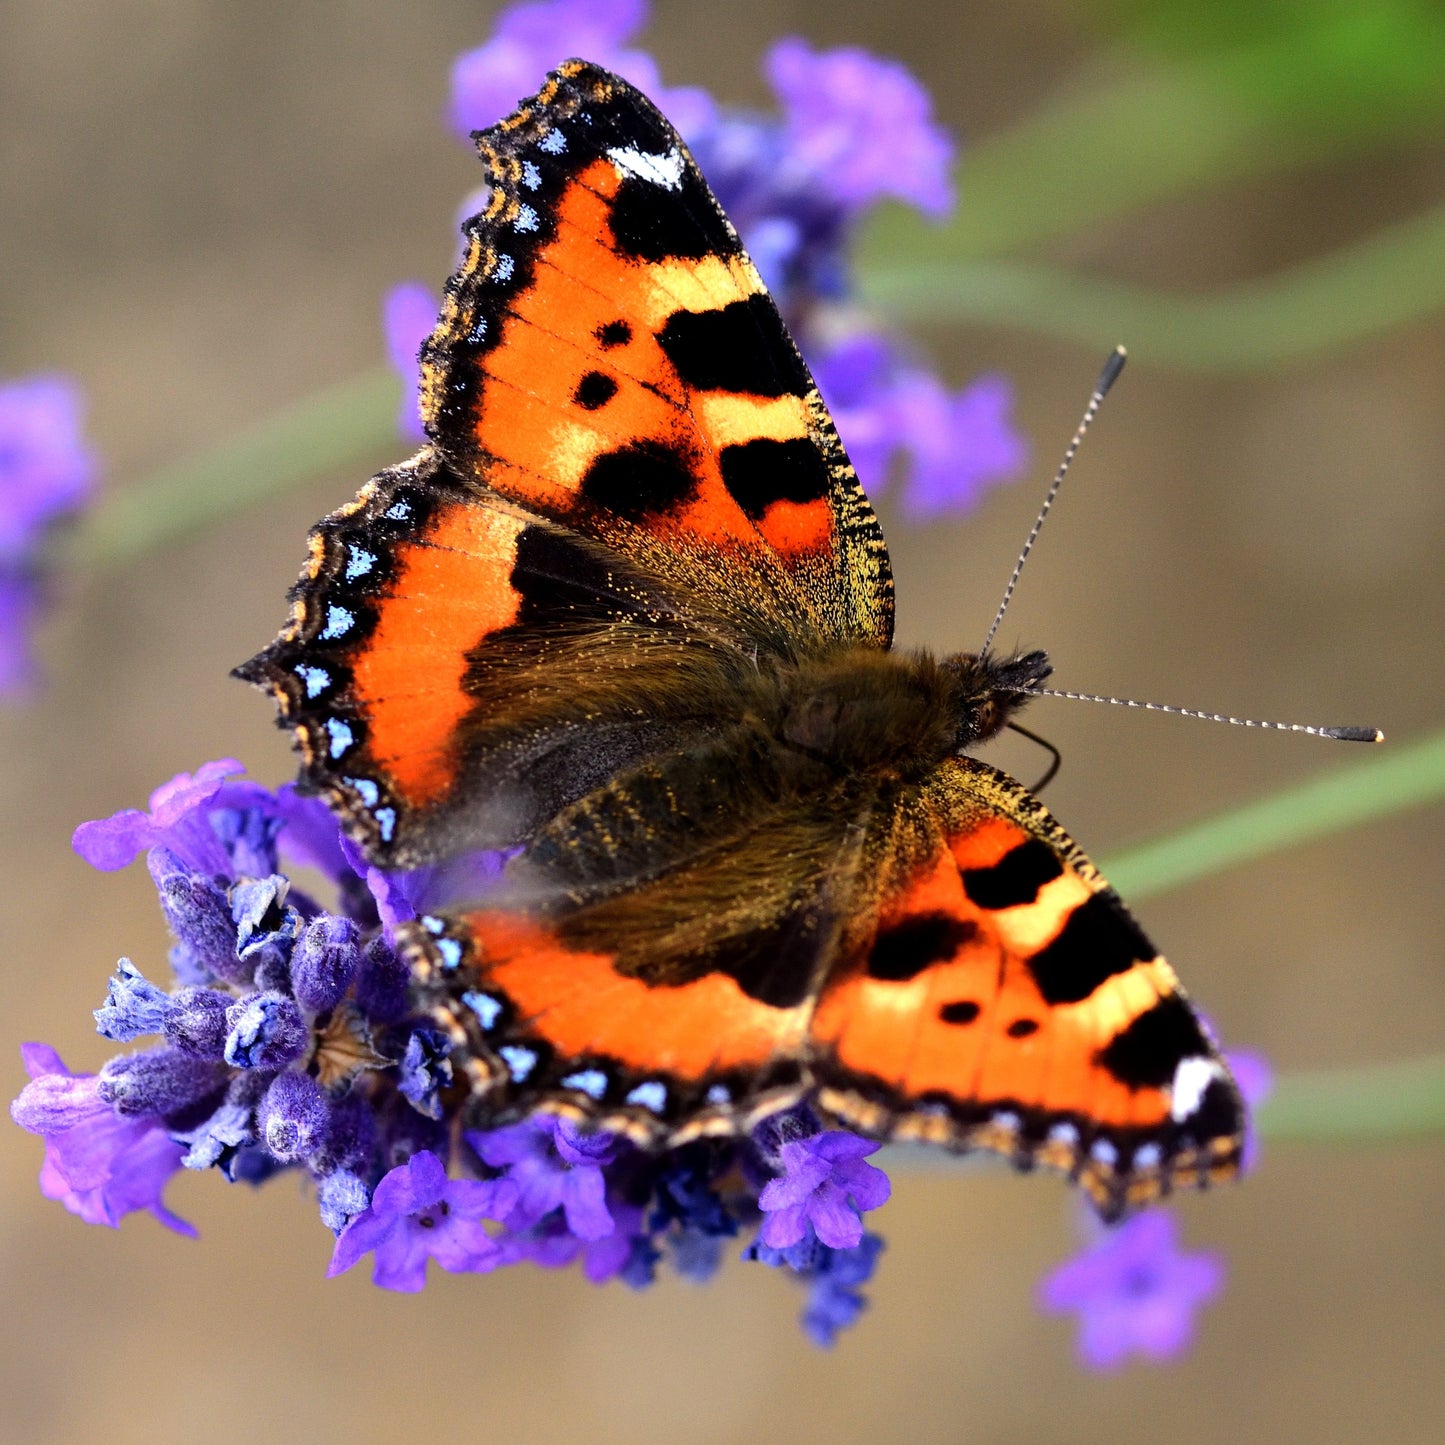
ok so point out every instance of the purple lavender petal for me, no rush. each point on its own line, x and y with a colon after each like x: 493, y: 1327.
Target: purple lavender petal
x: 959, y: 445
x: 112, y: 843
x: 530, y: 40
x: 310, y: 835
x: 584, y: 1201
x: 1134, y: 1291
x: 100, y: 1166
x: 415, y: 1214
x: 784, y: 1226
x: 861, y: 127
x: 833, y: 1217
x: 409, y: 314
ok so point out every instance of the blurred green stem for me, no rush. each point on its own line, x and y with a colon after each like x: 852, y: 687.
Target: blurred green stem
x: 347, y: 425
x: 1342, y: 85
x: 1395, y: 777
x: 1394, y: 276
x: 1384, y: 1101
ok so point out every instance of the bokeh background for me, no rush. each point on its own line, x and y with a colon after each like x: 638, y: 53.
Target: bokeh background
x: 201, y: 205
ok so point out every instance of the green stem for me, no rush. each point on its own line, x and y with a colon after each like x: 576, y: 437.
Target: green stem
x: 1383, y: 1101
x: 1396, y: 275
x: 1342, y: 86
x: 1401, y: 776
x: 344, y: 426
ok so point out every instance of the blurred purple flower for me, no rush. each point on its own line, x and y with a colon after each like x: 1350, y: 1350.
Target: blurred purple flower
x: 859, y: 127
x: 416, y: 1213
x: 825, y: 1186
x: 47, y: 472
x: 99, y: 1165
x: 1255, y: 1077
x: 529, y: 40
x: 957, y: 444
x: 835, y: 1297
x: 409, y: 312
x: 1135, y: 1292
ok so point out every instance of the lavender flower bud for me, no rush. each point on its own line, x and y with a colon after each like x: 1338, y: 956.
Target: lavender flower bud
x: 199, y: 914
x: 197, y: 1023
x: 158, y: 1081
x: 133, y: 1007
x: 294, y: 1116
x: 324, y: 962
x: 267, y: 1031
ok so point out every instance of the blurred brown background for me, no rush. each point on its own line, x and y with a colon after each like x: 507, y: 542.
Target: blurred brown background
x: 200, y: 207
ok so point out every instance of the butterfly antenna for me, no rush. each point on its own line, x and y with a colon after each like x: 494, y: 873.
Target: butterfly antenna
x: 1110, y: 374
x: 1344, y: 735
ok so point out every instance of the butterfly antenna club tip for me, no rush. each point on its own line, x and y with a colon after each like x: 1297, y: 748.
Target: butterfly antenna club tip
x: 1107, y: 377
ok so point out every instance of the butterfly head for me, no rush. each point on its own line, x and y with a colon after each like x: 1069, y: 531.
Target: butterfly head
x: 992, y: 689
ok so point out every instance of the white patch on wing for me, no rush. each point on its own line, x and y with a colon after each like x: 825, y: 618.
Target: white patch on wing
x: 663, y: 170
x: 1191, y: 1078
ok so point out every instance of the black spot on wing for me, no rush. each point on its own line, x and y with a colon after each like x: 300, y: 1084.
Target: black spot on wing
x: 904, y: 950
x: 1022, y: 1028
x: 1219, y: 1114
x: 639, y: 481
x: 742, y: 346
x: 1016, y: 878
x: 560, y: 580
x: 595, y: 390
x: 652, y: 222
x: 613, y: 333
x: 1146, y: 1054
x: 1098, y: 941
x: 961, y: 1011
x: 761, y: 472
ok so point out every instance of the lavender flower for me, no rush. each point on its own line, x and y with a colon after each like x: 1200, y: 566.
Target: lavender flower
x: 860, y: 128
x: 1135, y: 1292
x: 824, y: 1189
x: 957, y: 444
x: 47, y: 473
x: 409, y: 312
x: 416, y: 1214
x: 292, y: 1041
x: 835, y: 1297
x: 554, y: 1166
x: 98, y: 1164
x: 529, y: 40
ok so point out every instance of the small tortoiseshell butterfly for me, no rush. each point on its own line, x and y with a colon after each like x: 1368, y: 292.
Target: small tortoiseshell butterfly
x: 630, y: 613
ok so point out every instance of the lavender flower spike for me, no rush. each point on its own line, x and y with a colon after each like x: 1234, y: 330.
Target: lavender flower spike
x: 417, y: 1214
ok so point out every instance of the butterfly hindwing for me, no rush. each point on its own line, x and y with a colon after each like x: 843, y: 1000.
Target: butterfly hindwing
x: 954, y: 970
x: 1008, y: 1001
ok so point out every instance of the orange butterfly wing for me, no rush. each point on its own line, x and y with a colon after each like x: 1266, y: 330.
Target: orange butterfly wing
x: 609, y: 356
x: 979, y: 986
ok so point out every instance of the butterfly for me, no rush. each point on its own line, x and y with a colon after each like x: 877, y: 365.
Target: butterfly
x: 629, y: 614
